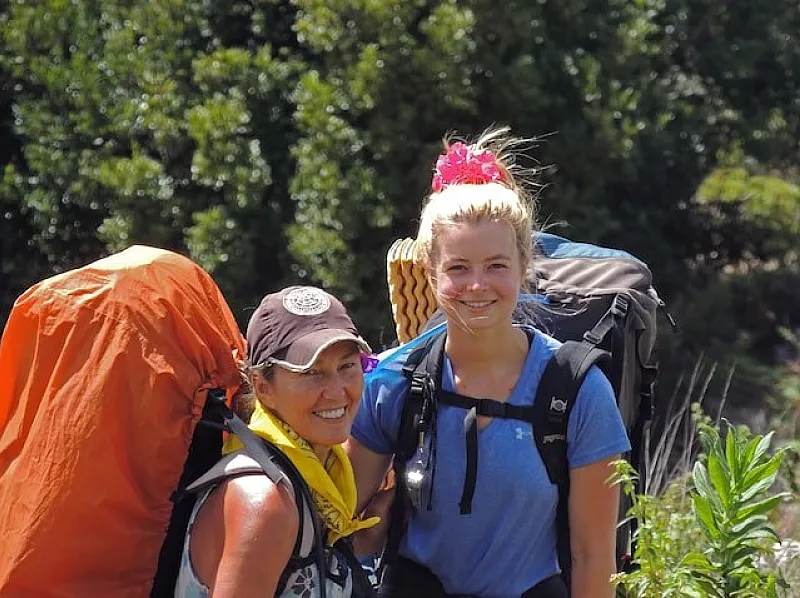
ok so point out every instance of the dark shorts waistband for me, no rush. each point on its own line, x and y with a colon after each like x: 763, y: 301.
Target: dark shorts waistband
x: 405, y: 578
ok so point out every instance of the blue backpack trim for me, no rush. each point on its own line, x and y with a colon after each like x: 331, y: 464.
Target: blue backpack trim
x: 556, y: 247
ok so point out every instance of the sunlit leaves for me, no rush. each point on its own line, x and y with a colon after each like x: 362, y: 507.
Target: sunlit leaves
x: 772, y: 200
x: 730, y: 505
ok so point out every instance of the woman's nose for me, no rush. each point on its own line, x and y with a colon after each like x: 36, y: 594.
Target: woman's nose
x: 334, y: 384
x: 476, y: 280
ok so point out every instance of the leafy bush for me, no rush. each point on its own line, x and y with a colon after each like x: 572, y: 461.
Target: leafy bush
x: 730, y: 500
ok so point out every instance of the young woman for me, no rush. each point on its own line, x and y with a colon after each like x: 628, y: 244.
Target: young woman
x: 247, y: 534
x: 475, y: 239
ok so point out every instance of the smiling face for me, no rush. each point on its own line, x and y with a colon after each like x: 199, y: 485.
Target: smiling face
x: 477, y: 273
x: 320, y: 403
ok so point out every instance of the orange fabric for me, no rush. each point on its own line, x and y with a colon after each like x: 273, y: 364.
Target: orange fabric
x: 103, y: 376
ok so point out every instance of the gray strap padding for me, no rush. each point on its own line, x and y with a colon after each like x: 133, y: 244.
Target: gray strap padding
x: 240, y: 463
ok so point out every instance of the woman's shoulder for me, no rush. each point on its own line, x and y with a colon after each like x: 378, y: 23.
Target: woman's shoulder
x: 542, y: 347
x: 253, y: 506
x: 246, y: 515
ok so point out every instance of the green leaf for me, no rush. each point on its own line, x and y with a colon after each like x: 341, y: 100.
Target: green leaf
x: 705, y: 515
x: 741, y: 530
x: 705, y: 488
x: 720, y: 478
x: 698, y: 562
x: 732, y: 452
x: 759, y: 449
x: 766, y: 472
x: 761, y: 482
x: 759, y: 508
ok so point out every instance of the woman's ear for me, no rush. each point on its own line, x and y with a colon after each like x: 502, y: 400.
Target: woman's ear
x: 263, y: 388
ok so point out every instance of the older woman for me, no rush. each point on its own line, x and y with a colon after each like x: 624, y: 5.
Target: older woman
x: 249, y: 535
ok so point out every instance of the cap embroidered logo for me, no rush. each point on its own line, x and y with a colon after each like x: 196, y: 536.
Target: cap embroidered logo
x: 306, y: 301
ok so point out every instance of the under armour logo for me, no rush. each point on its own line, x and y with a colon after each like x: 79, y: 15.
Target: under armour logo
x: 557, y: 404
x: 523, y: 433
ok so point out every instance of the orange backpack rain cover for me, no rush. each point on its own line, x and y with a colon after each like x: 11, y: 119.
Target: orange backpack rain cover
x: 104, y: 372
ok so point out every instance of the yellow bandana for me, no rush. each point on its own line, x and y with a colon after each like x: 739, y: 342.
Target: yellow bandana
x: 333, y: 490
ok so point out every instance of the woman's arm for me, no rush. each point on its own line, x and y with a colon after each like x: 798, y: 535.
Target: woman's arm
x: 369, y: 469
x: 593, y: 511
x: 244, y: 536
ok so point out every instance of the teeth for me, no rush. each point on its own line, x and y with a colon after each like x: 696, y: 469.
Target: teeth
x: 477, y: 303
x: 331, y: 413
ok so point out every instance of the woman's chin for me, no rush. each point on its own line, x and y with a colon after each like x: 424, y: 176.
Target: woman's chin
x: 331, y: 434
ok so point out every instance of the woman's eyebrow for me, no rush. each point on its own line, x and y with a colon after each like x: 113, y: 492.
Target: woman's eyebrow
x: 499, y: 256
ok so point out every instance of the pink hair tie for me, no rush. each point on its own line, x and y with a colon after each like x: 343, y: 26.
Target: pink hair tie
x: 465, y: 164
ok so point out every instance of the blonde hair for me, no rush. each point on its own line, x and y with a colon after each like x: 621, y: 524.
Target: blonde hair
x: 507, y: 200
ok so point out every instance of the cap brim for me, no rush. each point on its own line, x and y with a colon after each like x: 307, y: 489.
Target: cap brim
x: 304, y: 352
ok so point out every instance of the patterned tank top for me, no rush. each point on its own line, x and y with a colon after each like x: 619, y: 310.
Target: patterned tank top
x: 300, y: 579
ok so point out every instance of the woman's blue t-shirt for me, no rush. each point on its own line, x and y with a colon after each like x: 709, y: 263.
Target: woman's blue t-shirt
x: 508, y: 543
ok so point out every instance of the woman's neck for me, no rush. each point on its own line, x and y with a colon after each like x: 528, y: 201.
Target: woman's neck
x: 323, y: 453
x: 485, y: 347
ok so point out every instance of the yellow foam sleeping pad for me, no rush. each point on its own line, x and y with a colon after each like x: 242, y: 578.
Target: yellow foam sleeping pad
x: 409, y: 292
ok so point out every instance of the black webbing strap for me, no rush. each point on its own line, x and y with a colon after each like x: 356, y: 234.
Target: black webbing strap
x: 426, y: 388
x: 471, y: 475
x: 487, y: 407
x: 609, y: 320
x: 362, y: 587
x: 415, y: 420
x: 253, y: 445
x: 555, y: 397
x: 645, y: 414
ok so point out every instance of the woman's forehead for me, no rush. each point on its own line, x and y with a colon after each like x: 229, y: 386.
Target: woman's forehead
x: 339, y: 350
x: 487, y: 238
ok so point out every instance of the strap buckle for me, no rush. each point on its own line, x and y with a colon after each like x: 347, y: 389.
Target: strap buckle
x: 590, y: 336
x: 620, y: 305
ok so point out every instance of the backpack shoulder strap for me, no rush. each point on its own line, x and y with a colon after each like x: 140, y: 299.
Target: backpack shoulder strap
x: 230, y: 466
x: 240, y: 463
x: 280, y: 470
x: 555, y: 397
x: 422, y: 369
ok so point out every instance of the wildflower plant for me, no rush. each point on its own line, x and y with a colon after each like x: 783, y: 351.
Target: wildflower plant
x: 731, y: 504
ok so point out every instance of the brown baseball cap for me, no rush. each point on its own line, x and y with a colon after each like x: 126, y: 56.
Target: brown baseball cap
x: 295, y: 325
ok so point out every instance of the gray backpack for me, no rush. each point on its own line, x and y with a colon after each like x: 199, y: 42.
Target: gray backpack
x: 601, y: 304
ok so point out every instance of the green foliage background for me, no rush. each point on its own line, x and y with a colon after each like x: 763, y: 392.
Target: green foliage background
x: 282, y: 141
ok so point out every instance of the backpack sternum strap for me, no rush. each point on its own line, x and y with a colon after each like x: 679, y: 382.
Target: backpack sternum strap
x: 487, y: 407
